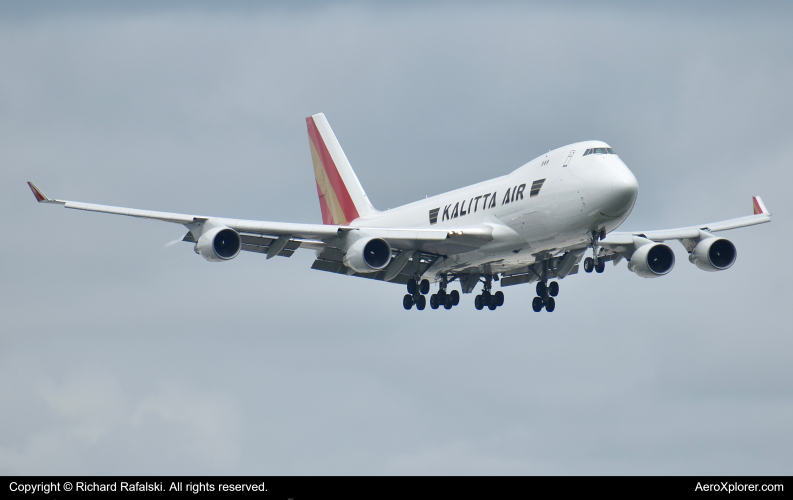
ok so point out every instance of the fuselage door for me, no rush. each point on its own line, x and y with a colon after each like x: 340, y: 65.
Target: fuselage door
x: 569, y: 157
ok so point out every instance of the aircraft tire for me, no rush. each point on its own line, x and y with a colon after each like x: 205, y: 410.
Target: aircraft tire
x: 455, y: 295
x: 492, y: 305
x: 553, y: 288
x: 601, y: 265
x: 541, y: 289
x: 537, y: 304
x: 499, y: 297
x: 589, y: 264
x: 412, y: 286
x: 550, y: 305
x: 421, y: 302
x: 434, y: 301
x: 479, y: 303
x: 448, y: 304
x: 425, y: 287
x: 407, y: 301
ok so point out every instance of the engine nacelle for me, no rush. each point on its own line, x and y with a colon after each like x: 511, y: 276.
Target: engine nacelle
x: 652, y: 260
x: 713, y: 254
x: 219, y: 244
x: 368, y: 255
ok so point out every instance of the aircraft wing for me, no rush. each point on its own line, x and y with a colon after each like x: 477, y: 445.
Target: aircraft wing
x: 314, y: 236
x: 617, y: 241
x: 618, y: 245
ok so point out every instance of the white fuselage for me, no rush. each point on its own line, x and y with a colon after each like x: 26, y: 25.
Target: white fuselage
x: 587, y: 193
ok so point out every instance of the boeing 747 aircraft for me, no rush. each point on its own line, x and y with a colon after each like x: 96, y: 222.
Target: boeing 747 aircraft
x: 535, y: 224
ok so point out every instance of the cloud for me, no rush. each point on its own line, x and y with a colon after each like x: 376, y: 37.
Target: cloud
x: 89, y: 418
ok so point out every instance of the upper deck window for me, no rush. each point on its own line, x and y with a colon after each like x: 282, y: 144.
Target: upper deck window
x: 600, y: 151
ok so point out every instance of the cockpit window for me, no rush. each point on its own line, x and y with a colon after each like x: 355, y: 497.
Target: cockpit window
x: 600, y: 151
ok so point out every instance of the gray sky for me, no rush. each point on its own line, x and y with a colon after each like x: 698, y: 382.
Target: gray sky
x: 120, y: 354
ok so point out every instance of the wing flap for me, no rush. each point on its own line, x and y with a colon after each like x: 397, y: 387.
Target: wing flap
x: 330, y: 260
x: 262, y: 244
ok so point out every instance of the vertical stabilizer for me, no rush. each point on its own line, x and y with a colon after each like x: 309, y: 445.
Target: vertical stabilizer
x: 341, y: 197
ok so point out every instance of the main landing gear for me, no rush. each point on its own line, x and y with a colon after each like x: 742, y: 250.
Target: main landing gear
x: 487, y: 299
x: 445, y: 299
x: 416, y: 294
x: 417, y: 291
x: 545, y: 296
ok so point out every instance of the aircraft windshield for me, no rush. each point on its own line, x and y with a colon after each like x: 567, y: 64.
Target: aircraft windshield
x: 599, y: 151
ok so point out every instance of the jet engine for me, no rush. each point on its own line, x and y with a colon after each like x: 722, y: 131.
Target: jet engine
x: 367, y: 255
x: 219, y: 244
x: 652, y: 260
x: 713, y: 254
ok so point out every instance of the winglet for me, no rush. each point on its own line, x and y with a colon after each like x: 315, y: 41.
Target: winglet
x: 759, y: 206
x: 40, y: 197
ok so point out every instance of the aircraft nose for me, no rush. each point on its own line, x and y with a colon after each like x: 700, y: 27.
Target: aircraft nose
x: 624, y: 190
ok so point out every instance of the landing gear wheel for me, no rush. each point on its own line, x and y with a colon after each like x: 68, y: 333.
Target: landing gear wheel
x: 449, y: 303
x: 553, y: 288
x: 421, y: 302
x: 425, y: 287
x: 407, y: 301
x: 541, y: 288
x: 479, y: 303
x: 537, y: 304
x: 412, y: 286
x: 434, y: 301
x: 486, y: 297
x: 492, y: 305
x: 455, y: 295
x: 550, y: 304
x: 601, y: 265
x: 499, y: 298
x: 589, y: 264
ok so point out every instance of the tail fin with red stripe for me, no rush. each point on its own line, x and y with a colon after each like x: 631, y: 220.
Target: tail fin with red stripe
x: 341, y: 197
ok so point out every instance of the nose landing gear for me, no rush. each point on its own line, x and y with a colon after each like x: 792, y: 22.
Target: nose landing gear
x: 595, y: 262
x: 598, y: 265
